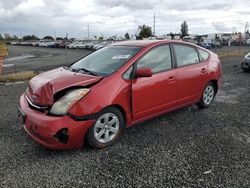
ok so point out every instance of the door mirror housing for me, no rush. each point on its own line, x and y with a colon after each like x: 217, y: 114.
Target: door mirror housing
x: 143, y: 72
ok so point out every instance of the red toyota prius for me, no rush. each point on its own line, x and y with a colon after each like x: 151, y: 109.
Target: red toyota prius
x: 93, y: 99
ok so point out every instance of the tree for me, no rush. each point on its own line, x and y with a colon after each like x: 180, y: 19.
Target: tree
x: 30, y: 37
x: 184, y: 29
x: 145, y: 31
x: 7, y: 36
x: 127, y: 36
x: 1, y: 37
x: 15, y: 37
x: 48, y: 38
x: 59, y: 38
x: 172, y: 35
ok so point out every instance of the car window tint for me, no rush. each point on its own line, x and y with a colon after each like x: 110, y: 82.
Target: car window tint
x: 158, y: 59
x: 185, y: 55
x: 203, y: 54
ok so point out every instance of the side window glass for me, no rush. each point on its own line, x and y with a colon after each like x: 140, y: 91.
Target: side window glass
x: 185, y: 55
x: 127, y: 74
x: 203, y: 54
x: 158, y: 59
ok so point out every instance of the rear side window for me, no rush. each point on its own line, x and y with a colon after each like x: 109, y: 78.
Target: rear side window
x: 203, y: 54
x: 158, y: 59
x: 185, y: 55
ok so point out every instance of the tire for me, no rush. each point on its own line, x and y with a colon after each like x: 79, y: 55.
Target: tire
x: 244, y: 68
x: 208, y: 95
x: 103, y: 132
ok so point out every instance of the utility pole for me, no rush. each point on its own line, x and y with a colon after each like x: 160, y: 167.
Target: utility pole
x: 154, y: 25
x: 246, y: 26
x: 55, y: 34
x: 88, y: 30
x: 245, y: 32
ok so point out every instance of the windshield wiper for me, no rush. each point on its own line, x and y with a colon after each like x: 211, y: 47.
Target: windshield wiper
x: 84, y: 70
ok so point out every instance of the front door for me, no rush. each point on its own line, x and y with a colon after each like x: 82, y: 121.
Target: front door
x: 156, y: 94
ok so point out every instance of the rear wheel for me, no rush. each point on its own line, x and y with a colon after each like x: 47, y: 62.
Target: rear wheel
x: 207, y: 96
x: 105, y: 131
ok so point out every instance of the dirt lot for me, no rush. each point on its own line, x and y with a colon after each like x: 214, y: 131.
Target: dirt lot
x: 186, y: 148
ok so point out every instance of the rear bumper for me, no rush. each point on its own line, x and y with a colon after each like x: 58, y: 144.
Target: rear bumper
x: 43, y: 128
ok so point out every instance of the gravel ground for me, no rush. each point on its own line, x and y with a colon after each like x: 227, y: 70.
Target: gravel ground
x: 186, y: 148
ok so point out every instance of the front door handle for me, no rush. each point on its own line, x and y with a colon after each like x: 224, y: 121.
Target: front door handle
x: 203, y: 70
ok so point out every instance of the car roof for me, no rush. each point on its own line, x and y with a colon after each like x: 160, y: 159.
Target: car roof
x: 145, y: 43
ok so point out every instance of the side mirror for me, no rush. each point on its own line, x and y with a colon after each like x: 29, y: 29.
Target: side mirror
x: 143, y: 72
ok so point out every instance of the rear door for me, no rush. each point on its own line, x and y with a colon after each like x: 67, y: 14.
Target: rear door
x: 191, y: 74
x: 153, y: 95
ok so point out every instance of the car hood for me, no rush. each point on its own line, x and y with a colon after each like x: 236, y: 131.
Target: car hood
x: 42, y: 88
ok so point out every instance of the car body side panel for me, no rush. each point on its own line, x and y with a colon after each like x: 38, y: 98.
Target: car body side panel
x: 190, y: 82
x: 154, y: 94
x: 112, y: 91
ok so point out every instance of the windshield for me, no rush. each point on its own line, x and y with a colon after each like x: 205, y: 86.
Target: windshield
x: 105, y: 61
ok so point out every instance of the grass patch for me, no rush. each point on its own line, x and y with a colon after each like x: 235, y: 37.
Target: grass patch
x: 232, y: 53
x: 20, y: 76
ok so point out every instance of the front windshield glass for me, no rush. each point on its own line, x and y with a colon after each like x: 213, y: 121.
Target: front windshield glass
x: 105, y: 61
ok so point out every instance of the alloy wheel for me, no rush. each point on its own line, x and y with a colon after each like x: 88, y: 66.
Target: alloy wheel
x: 106, y: 128
x: 208, y: 95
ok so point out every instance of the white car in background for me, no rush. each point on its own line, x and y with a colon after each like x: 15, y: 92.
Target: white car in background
x: 77, y: 45
x: 100, y: 45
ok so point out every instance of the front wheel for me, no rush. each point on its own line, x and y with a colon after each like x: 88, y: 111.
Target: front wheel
x: 207, y: 96
x: 105, y: 131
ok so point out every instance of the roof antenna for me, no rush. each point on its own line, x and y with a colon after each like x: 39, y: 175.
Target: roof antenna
x: 66, y: 51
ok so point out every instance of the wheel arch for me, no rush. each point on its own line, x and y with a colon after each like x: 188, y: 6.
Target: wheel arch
x: 121, y: 109
x: 215, y: 83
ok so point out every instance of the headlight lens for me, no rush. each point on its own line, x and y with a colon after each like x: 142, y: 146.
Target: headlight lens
x: 62, y: 106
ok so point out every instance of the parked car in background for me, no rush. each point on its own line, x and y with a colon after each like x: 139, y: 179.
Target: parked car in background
x: 216, y: 45
x: 42, y: 44
x: 36, y: 43
x: 90, y: 45
x: 245, y: 65
x: 77, y: 45
x: 100, y: 45
x: 205, y: 45
x: 92, y: 100
x: 248, y: 42
x: 50, y: 44
x: 15, y: 43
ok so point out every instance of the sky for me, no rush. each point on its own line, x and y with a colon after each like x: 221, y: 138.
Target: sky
x: 116, y: 17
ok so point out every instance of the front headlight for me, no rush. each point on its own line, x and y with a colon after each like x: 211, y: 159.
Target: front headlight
x: 62, y: 106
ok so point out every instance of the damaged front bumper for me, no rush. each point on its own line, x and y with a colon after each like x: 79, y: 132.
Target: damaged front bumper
x: 52, y: 132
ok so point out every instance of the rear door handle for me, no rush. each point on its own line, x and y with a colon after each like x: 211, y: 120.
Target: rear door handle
x: 171, y: 79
